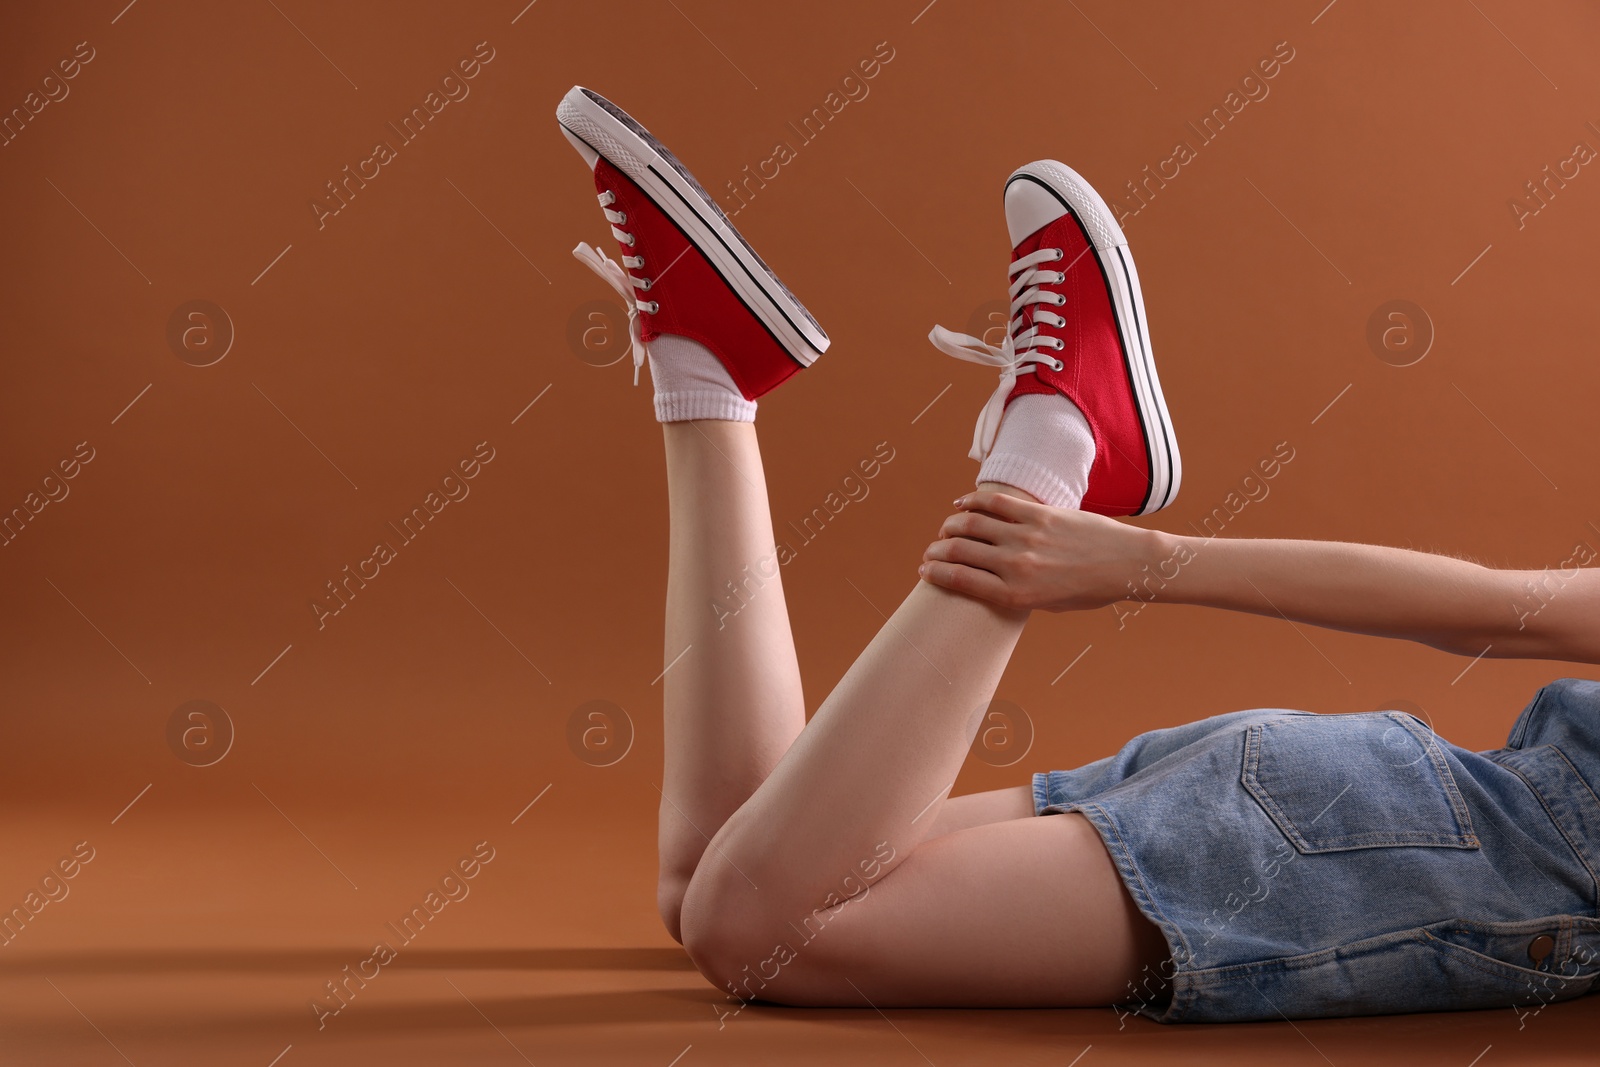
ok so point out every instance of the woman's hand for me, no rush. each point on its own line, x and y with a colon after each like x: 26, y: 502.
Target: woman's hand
x: 1021, y: 554
x: 1018, y: 554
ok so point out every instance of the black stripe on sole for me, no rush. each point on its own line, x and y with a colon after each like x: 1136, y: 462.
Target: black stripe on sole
x: 707, y: 212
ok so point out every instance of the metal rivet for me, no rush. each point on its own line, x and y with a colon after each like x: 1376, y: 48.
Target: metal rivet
x: 1541, y: 947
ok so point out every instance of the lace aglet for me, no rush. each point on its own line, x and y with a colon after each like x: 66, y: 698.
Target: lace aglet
x: 639, y: 353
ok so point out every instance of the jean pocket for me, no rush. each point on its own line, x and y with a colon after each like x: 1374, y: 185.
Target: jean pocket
x: 1447, y: 966
x: 1525, y: 964
x: 1332, y: 783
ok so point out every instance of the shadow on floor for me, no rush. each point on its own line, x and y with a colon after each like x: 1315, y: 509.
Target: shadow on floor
x: 252, y: 991
x: 286, y: 961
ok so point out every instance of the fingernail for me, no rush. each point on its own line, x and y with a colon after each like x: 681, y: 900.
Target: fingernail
x: 922, y: 570
x: 960, y: 500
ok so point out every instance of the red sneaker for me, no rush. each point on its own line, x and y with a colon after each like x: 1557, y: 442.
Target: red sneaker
x: 704, y: 281
x: 1069, y: 253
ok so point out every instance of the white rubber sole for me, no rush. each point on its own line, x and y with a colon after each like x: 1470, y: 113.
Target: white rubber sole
x: 598, y: 128
x: 1127, y: 301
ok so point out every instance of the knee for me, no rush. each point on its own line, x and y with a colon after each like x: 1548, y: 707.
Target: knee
x: 731, y: 941
x: 748, y: 957
x: 670, y: 888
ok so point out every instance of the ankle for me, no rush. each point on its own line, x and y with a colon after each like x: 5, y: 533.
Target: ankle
x: 1045, y: 447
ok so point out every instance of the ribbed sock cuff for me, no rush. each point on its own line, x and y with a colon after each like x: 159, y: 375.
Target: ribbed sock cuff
x: 1030, y: 476
x: 704, y: 404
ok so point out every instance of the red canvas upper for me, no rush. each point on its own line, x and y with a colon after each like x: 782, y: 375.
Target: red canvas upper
x: 695, y: 302
x: 1095, y: 372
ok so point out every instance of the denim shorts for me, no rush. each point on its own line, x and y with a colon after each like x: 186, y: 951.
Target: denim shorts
x: 1304, y: 865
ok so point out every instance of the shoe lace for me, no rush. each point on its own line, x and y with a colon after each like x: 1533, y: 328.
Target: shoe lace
x: 621, y: 280
x: 1024, y: 349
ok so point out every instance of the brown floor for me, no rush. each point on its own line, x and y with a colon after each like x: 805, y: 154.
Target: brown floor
x: 201, y: 937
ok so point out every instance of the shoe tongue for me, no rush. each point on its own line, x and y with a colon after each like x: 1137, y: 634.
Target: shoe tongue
x: 1029, y: 209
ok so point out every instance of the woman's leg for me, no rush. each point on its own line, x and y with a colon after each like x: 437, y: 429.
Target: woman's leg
x: 719, y: 336
x: 731, y: 692
x: 979, y: 809
x: 1021, y: 913
x: 856, y: 797
x: 732, y: 696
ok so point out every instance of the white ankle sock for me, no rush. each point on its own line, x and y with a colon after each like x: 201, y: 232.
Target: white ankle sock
x: 692, y: 383
x: 1044, y: 447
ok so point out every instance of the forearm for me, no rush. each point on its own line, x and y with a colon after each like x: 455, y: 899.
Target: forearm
x: 1021, y: 554
x: 1447, y: 603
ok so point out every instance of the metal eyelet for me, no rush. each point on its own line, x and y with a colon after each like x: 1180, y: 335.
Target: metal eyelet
x: 623, y: 221
x: 1060, y: 254
x: 631, y: 240
x: 651, y: 306
x: 1061, y: 298
x: 644, y: 285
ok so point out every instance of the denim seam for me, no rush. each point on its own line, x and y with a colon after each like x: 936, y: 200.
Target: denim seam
x: 1128, y: 868
x: 1376, y: 839
x: 1537, y: 922
x: 1215, y: 976
x: 1487, y: 964
x: 1583, y: 784
x: 1249, y: 778
x: 1560, y: 829
x: 1218, y: 976
x: 1519, y: 729
x: 1041, y: 792
x: 1465, y: 837
x: 1441, y: 768
x: 1575, y: 933
x: 1570, y: 931
x: 1126, y: 855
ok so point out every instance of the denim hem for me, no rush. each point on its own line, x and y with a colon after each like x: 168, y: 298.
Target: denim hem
x: 1178, y: 950
x: 1041, y: 792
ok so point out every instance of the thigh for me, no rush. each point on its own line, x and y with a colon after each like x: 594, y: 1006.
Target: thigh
x: 979, y: 809
x: 1021, y: 913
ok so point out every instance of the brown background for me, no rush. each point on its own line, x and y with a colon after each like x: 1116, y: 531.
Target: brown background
x: 377, y: 351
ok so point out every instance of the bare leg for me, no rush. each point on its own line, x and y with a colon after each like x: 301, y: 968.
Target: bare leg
x: 733, y: 702
x: 979, y: 809
x: 1018, y: 914
x: 852, y: 800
